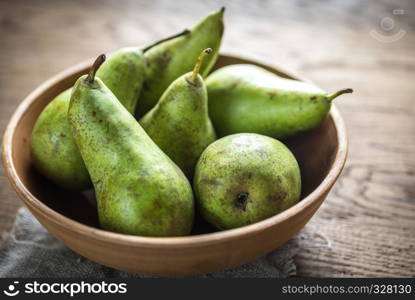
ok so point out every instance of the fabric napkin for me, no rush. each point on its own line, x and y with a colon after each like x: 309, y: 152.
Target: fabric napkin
x: 30, y: 251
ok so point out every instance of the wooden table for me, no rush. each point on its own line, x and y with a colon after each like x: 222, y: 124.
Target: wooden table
x: 366, y: 227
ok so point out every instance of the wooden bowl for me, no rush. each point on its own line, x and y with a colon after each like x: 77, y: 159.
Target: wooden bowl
x: 72, y: 218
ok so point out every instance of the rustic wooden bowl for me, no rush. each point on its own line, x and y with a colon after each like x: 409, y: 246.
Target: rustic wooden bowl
x: 72, y: 219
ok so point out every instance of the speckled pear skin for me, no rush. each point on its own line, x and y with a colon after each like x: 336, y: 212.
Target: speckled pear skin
x: 171, y: 59
x: 179, y: 124
x: 245, y: 178
x: 54, y: 152
x: 123, y: 73
x: 247, y: 98
x: 139, y: 190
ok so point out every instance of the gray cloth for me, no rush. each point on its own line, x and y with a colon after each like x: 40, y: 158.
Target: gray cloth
x: 30, y: 251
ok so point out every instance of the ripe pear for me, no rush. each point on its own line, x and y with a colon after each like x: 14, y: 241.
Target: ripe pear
x: 139, y: 190
x: 245, y: 178
x: 167, y: 61
x: 54, y: 151
x: 179, y: 124
x: 247, y: 98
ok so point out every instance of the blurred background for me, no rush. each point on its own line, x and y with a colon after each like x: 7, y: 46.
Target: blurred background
x: 366, y: 227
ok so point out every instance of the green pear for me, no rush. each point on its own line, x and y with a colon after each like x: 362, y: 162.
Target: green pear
x: 54, y: 151
x: 179, y: 123
x: 245, y: 178
x: 247, y: 98
x: 139, y: 190
x: 167, y: 61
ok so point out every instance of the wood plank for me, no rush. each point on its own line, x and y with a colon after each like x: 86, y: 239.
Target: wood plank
x: 368, y: 219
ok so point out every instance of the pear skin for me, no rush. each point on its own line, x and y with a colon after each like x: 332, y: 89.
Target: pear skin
x: 139, y: 190
x: 54, y: 151
x: 169, y: 60
x: 245, y: 178
x: 179, y: 123
x: 123, y: 73
x: 247, y: 98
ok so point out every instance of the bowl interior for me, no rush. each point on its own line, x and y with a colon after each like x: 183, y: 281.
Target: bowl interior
x: 314, y: 150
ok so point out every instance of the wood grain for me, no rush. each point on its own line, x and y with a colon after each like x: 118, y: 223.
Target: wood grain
x: 366, y: 226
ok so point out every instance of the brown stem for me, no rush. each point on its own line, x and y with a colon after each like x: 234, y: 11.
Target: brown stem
x: 338, y: 93
x: 95, y: 66
x: 184, y: 32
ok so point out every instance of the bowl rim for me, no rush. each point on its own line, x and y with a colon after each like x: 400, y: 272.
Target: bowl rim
x: 183, y: 241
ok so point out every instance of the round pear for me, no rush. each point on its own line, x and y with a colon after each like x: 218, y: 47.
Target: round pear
x: 244, y: 178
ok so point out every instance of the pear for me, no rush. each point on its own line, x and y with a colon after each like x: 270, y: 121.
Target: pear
x: 247, y: 98
x: 54, y: 151
x: 244, y: 178
x: 179, y: 124
x: 167, y: 61
x: 139, y: 190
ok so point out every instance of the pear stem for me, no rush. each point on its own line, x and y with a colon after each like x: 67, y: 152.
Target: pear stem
x: 95, y: 66
x: 198, y: 64
x: 338, y: 93
x: 184, y: 32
